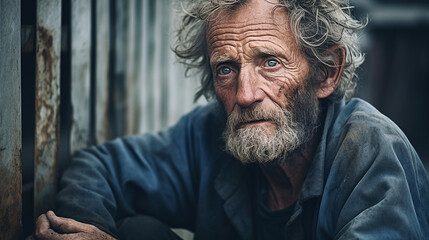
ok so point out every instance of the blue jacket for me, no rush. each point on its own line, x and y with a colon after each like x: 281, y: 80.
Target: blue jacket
x: 365, y: 181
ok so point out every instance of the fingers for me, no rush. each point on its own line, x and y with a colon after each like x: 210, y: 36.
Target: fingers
x: 67, y: 225
x: 51, y: 227
x: 43, y: 230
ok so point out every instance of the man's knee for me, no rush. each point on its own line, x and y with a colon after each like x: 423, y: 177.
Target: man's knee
x: 144, y: 227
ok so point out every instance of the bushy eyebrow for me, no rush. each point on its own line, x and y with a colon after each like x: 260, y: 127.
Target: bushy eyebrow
x: 256, y: 51
x: 262, y: 51
x: 220, y: 59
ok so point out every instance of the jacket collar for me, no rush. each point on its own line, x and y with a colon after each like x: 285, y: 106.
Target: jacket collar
x: 314, y: 181
x: 232, y: 186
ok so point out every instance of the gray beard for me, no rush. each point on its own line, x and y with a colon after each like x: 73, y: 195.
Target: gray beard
x: 295, y: 126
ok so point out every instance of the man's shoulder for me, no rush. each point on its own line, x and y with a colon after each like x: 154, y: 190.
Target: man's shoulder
x: 359, y: 135
x: 359, y: 120
x: 368, y: 165
x: 359, y: 132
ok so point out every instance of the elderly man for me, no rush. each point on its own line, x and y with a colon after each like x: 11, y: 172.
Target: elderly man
x: 282, y: 154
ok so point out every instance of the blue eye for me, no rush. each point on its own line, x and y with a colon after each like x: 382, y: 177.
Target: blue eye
x: 225, y: 70
x: 271, y: 63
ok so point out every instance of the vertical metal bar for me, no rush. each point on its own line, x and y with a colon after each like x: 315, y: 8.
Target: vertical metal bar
x: 150, y: 62
x: 47, y: 118
x: 157, y: 59
x: 102, y: 70
x: 80, y: 73
x: 118, y: 81
x: 10, y: 120
x: 141, y: 68
x: 131, y: 83
x: 112, y: 70
x: 164, y: 10
x: 146, y: 66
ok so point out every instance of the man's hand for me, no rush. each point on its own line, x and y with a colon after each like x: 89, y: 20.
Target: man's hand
x: 51, y: 227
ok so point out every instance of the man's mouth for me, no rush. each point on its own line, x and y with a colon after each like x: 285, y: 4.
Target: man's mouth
x: 253, y: 123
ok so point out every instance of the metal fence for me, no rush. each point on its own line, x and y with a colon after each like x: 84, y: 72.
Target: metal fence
x: 76, y: 73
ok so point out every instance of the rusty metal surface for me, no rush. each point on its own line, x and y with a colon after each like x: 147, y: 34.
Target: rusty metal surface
x: 10, y: 120
x: 102, y: 71
x: 47, y: 131
x: 28, y: 38
x: 80, y: 73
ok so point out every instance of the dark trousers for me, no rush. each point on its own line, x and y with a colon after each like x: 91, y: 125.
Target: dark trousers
x: 144, y: 227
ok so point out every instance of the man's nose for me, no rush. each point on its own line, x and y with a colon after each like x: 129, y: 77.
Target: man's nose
x: 248, y: 90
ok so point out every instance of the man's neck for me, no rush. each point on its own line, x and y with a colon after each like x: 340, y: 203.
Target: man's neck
x: 285, y: 178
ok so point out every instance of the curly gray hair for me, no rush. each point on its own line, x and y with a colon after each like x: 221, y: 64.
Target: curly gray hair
x: 318, y: 25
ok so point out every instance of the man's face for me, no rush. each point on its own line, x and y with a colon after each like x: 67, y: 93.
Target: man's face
x: 260, y: 76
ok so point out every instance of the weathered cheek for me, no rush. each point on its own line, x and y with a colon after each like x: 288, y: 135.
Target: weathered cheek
x: 226, y: 96
x: 278, y: 85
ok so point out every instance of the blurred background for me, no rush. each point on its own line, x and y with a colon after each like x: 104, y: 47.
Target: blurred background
x: 395, y: 75
x: 94, y: 70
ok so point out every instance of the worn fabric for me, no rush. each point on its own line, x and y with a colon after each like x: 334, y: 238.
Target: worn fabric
x: 144, y: 227
x: 365, y: 181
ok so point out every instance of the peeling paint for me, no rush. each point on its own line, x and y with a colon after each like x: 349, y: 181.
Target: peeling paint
x: 46, y: 139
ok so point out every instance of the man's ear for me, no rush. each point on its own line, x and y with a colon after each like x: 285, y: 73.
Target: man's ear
x: 333, y: 73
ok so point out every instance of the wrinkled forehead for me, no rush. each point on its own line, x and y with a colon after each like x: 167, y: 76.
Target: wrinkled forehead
x: 255, y: 15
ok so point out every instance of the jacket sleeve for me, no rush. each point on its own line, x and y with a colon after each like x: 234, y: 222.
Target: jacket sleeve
x: 148, y: 174
x: 377, y: 187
